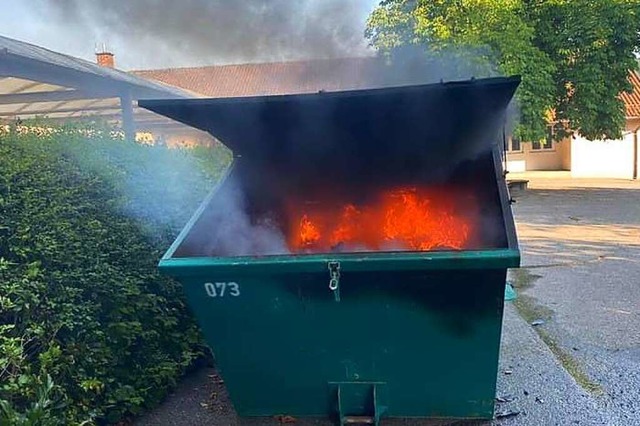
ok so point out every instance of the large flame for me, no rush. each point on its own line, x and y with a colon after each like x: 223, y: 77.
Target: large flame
x: 414, y: 219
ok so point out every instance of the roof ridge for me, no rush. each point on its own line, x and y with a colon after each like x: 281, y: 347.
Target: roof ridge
x: 248, y: 64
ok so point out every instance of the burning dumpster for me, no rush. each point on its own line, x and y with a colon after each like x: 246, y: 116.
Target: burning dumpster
x: 352, y: 262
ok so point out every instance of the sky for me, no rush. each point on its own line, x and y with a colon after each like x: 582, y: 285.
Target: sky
x: 148, y: 34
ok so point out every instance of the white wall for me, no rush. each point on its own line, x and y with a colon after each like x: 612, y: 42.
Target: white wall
x: 602, y: 159
x: 517, y: 166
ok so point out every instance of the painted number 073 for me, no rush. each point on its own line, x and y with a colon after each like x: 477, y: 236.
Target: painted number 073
x: 222, y: 289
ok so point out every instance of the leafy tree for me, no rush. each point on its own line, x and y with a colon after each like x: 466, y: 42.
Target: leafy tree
x: 574, y: 55
x: 593, y: 44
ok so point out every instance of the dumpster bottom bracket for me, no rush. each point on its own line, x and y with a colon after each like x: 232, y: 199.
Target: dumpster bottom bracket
x: 359, y: 403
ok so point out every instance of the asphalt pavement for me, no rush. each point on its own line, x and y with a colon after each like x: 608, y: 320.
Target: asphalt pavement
x: 580, y: 241
x: 570, y: 350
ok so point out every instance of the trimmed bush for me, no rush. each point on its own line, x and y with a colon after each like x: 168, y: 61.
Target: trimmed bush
x: 89, y: 332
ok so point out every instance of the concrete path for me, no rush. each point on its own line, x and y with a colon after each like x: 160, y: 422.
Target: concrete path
x: 580, y: 278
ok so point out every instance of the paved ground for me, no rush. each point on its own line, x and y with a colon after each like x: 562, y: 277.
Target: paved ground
x: 581, y: 258
x: 581, y: 276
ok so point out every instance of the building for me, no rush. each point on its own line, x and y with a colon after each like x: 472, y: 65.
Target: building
x: 37, y: 82
x: 584, y: 158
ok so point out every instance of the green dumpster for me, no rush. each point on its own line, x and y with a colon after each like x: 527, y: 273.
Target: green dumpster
x: 352, y: 262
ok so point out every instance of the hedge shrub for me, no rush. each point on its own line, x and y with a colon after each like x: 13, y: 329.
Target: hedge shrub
x: 89, y: 332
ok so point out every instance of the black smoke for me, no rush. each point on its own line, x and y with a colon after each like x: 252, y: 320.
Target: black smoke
x: 199, y: 32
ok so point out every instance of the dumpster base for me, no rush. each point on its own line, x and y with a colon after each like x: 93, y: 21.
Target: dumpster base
x: 416, y: 344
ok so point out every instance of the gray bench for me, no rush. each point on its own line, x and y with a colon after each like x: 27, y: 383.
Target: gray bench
x: 517, y: 184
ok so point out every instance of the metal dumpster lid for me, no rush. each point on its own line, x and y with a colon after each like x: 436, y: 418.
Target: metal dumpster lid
x: 440, y: 117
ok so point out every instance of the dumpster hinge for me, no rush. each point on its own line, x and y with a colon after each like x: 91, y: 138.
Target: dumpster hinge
x: 334, y: 279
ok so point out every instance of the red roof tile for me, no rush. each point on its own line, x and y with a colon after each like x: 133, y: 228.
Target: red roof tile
x: 632, y: 100
x: 275, y: 78
x: 278, y: 78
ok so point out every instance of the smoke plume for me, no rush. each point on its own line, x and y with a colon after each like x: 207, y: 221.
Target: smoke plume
x: 199, y: 32
x: 229, y: 229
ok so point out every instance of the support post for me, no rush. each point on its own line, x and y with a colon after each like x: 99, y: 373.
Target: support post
x: 128, y: 123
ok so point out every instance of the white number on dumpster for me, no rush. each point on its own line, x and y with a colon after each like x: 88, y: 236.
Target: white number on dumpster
x: 222, y: 289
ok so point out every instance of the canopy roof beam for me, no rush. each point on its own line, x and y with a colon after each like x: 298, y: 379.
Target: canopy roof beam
x: 53, y: 96
x: 21, y: 67
x: 54, y: 110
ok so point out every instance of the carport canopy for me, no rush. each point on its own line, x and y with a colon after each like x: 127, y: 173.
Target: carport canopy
x: 37, y: 82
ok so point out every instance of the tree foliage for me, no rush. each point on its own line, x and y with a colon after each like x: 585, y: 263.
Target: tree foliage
x: 574, y: 55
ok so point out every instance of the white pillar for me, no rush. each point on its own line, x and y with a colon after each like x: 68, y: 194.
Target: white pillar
x: 128, y: 123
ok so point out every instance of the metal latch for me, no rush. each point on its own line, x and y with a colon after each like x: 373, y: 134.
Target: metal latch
x: 334, y: 279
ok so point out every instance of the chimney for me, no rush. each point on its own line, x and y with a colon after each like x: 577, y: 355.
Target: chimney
x: 104, y: 57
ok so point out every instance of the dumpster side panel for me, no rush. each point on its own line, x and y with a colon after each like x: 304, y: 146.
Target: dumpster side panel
x: 282, y: 342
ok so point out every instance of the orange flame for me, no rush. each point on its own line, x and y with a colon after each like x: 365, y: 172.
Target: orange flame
x: 309, y: 233
x: 400, y: 219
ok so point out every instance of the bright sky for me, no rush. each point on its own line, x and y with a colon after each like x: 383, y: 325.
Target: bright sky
x: 77, y: 30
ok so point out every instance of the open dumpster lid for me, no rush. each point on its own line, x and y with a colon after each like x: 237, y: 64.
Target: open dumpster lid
x: 434, y: 121
x: 411, y: 168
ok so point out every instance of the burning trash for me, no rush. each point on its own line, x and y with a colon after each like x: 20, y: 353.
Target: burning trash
x: 400, y: 219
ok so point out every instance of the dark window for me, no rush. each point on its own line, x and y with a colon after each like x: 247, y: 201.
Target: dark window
x: 516, y: 144
x: 546, y: 143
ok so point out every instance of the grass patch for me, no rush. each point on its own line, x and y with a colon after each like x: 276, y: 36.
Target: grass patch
x: 523, y: 278
x: 530, y: 310
x: 571, y: 364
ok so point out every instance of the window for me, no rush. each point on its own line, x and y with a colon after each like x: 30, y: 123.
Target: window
x: 544, y: 144
x: 515, y: 145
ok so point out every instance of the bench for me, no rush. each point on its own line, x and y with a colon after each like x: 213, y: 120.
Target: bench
x: 519, y: 184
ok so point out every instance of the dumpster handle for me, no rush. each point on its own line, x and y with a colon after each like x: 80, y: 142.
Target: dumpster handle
x: 334, y: 279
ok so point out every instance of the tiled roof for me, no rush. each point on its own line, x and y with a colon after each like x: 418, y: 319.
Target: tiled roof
x: 632, y: 100
x: 276, y: 78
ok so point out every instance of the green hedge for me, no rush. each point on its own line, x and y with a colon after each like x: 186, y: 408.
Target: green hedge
x: 89, y: 332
